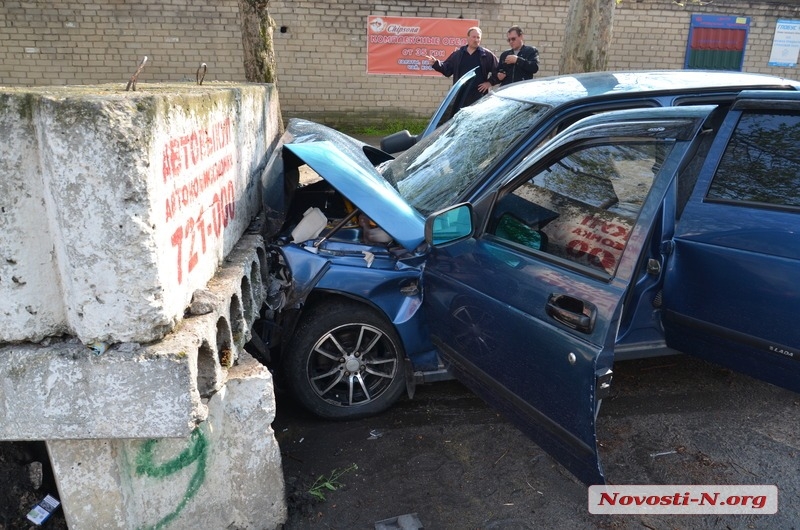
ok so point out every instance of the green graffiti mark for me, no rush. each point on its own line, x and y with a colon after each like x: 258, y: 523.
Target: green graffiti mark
x: 196, y: 452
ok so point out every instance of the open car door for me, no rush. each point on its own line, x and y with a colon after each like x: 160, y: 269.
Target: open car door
x: 525, y: 291
x: 452, y: 103
x: 733, y: 289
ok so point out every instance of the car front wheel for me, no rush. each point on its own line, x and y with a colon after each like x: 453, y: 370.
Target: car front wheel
x: 345, y: 362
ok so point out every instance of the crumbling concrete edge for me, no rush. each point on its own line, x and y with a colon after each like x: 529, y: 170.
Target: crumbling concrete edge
x: 60, y: 389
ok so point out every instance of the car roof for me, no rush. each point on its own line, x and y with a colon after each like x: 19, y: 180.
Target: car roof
x: 557, y: 90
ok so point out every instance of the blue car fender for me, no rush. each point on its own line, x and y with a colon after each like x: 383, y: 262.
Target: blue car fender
x: 394, y: 292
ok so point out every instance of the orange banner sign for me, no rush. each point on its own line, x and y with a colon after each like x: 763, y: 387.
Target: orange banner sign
x: 398, y: 45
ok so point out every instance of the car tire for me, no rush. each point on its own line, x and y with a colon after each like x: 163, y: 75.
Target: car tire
x: 345, y: 362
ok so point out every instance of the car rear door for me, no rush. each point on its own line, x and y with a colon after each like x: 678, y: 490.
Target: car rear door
x: 732, y: 288
x: 525, y: 310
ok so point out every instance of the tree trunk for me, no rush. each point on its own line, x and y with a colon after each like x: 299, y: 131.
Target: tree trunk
x: 588, y: 36
x: 259, y: 54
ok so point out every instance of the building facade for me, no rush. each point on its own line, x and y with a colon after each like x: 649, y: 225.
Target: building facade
x: 321, y: 46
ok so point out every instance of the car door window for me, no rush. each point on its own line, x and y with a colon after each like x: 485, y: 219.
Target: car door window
x: 582, y: 207
x: 761, y: 164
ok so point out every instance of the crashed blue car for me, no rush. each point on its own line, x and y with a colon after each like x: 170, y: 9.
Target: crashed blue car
x: 538, y: 235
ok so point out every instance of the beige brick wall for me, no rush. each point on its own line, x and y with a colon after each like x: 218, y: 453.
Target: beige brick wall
x: 653, y: 33
x: 322, y: 56
x: 73, y: 42
x: 321, y: 45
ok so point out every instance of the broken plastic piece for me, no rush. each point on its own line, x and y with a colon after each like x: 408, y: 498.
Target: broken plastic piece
x: 409, y: 521
x: 376, y: 235
x: 98, y: 348
x: 310, y: 226
x: 653, y: 455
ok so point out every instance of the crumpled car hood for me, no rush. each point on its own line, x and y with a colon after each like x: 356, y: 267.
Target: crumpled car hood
x: 343, y: 162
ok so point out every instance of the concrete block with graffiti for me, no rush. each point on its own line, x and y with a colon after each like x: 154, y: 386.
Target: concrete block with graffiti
x: 225, y: 474
x: 118, y: 205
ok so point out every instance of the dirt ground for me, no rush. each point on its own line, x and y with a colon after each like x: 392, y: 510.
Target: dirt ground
x: 25, y: 479
x: 448, y: 461
x: 445, y: 460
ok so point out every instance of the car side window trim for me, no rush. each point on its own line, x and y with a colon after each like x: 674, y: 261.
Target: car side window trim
x: 759, y: 166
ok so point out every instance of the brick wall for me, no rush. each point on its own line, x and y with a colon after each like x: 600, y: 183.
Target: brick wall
x: 321, y: 45
x: 321, y: 49
x: 653, y: 33
x: 71, y: 42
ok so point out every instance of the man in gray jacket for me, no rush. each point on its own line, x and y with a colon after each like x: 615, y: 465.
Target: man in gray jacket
x: 518, y: 63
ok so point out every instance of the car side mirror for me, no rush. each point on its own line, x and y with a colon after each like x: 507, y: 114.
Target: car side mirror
x: 450, y: 225
x: 398, y: 142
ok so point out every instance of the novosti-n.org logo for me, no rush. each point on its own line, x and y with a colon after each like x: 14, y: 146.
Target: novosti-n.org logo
x: 676, y: 499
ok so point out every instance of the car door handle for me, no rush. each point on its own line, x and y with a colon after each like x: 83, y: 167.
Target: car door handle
x: 572, y: 312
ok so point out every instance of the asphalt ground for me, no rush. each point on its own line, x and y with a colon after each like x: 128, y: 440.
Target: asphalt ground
x: 447, y: 460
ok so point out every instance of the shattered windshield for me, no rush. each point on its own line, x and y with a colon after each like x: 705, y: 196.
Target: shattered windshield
x: 435, y: 172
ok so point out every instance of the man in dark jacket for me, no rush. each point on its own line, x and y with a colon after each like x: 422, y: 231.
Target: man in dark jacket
x: 465, y: 59
x: 518, y: 63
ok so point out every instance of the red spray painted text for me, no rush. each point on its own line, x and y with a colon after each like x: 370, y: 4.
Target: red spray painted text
x: 200, y: 192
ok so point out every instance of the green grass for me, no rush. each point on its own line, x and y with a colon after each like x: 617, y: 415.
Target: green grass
x: 414, y: 126
x: 329, y: 482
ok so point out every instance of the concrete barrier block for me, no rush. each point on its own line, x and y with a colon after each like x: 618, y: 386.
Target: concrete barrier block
x: 62, y: 389
x: 225, y: 474
x: 120, y: 205
x: 32, y: 303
